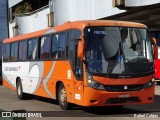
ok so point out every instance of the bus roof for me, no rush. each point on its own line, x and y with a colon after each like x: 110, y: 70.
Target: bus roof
x: 77, y: 25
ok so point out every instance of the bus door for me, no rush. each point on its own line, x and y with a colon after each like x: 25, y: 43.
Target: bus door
x: 76, y: 65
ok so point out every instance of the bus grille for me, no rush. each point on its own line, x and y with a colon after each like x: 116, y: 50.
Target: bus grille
x: 122, y: 100
x: 123, y: 88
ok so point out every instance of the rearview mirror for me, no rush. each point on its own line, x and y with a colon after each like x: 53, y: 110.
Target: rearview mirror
x: 155, y: 48
x: 154, y: 41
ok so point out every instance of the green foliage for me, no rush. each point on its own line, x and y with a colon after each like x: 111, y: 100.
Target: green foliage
x: 24, y: 8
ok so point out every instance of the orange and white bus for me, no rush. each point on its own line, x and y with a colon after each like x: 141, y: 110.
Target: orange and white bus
x: 88, y: 63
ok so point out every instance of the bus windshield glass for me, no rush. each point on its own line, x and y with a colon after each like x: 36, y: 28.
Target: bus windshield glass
x: 118, y: 51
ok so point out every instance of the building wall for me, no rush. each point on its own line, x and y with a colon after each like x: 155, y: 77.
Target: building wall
x: 65, y: 10
x: 30, y: 23
x: 140, y: 2
x: 70, y: 10
x: 13, y: 2
x: 3, y: 23
x: 3, y: 29
x: 73, y: 10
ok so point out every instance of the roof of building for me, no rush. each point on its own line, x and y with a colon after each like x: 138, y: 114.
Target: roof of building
x: 148, y: 15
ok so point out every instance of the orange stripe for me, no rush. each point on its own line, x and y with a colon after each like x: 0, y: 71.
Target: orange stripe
x: 47, y: 68
x: 41, y: 91
x: 6, y: 84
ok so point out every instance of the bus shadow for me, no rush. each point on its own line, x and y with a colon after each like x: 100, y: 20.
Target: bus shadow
x: 114, y: 111
x: 126, y: 110
x: 43, y: 99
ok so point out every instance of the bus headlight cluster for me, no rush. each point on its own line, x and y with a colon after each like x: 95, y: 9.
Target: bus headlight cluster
x: 149, y: 84
x: 94, y: 84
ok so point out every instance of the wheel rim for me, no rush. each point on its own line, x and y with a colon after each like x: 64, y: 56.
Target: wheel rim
x: 19, y: 89
x: 63, y: 96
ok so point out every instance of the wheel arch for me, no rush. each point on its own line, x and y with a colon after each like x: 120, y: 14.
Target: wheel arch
x: 17, y: 79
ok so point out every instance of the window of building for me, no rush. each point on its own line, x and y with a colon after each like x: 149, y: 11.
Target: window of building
x: 59, y: 46
x: 6, y: 52
x: 22, y: 50
x: 45, y: 47
x: 33, y: 49
x: 14, y: 51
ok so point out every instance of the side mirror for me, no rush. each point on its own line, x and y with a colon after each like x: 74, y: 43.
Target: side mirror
x: 154, y: 41
x: 80, y: 50
x: 155, y: 48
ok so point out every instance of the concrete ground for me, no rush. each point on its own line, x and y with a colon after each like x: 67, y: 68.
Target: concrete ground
x: 49, y: 107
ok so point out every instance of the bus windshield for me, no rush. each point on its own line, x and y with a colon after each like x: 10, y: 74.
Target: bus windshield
x: 118, y: 51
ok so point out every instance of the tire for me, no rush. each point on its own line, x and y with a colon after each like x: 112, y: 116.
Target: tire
x: 19, y: 90
x: 62, y: 98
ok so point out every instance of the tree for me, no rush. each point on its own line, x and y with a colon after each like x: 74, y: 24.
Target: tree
x: 24, y: 8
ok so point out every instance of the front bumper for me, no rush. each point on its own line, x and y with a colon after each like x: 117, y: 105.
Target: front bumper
x: 94, y: 97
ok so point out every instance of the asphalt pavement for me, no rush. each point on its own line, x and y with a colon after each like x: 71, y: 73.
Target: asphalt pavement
x: 47, y: 109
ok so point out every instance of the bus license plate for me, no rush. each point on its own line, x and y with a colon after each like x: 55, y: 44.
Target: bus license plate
x: 124, y: 96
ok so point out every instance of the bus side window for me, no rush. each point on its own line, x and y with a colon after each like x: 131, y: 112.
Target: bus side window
x: 22, y: 50
x: 33, y: 49
x: 6, y: 52
x: 14, y: 51
x: 59, y: 46
x: 45, y: 47
x: 54, y: 48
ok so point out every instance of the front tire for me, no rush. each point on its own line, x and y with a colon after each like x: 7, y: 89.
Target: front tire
x: 62, y: 98
x: 20, y: 93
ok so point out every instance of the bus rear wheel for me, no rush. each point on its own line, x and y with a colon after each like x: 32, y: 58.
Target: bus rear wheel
x: 20, y: 93
x: 62, y: 98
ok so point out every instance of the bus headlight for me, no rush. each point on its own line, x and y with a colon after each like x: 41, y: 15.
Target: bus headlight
x: 149, y: 84
x: 94, y: 84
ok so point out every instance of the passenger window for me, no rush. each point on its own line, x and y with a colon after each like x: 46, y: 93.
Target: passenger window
x: 45, y: 47
x: 54, y: 47
x: 6, y: 52
x: 59, y: 45
x: 33, y: 49
x: 14, y: 51
x: 22, y: 50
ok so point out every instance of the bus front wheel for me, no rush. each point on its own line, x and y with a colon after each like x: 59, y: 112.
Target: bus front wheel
x: 20, y: 93
x: 62, y: 98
